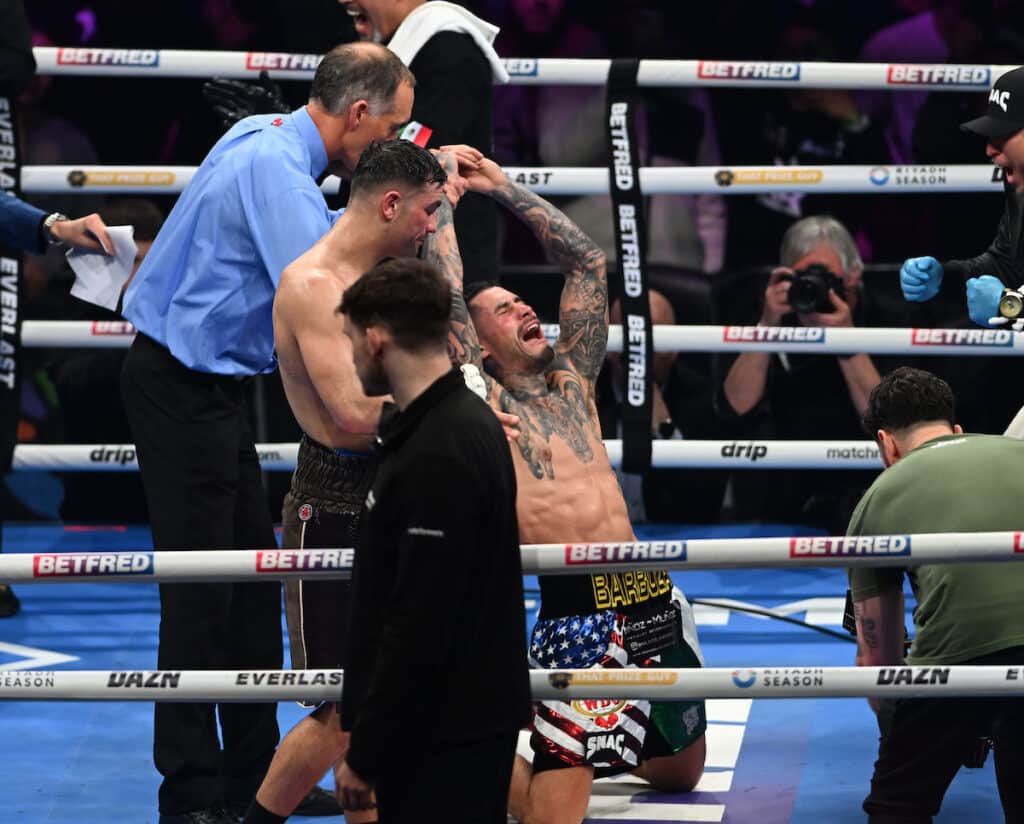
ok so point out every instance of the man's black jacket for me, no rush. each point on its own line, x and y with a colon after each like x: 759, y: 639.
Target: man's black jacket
x: 1005, y: 257
x: 437, y: 642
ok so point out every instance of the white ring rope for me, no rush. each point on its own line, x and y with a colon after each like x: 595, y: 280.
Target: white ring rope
x: 537, y: 559
x: 223, y: 686
x: 805, y: 339
x: 532, y: 71
x: 567, y: 180
x: 683, y: 454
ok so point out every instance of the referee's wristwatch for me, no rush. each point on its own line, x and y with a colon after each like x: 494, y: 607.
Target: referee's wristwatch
x: 48, y: 235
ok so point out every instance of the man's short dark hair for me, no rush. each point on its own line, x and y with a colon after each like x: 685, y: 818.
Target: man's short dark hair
x: 396, y: 162
x: 138, y: 212
x: 359, y: 71
x: 471, y: 290
x: 906, y: 397
x: 408, y: 296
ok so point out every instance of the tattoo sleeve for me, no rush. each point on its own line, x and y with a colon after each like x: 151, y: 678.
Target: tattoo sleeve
x: 583, y: 312
x: 867, y: 626
x: 442, y: 250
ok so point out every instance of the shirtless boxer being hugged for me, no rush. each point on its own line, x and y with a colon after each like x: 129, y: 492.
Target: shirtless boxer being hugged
x: 396, y: 190
x: 568, y: 493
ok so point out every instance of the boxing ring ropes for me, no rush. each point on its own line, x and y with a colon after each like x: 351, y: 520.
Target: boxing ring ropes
x: 659, y: 684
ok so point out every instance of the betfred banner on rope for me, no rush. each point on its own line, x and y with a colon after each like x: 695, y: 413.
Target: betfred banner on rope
x: 622, y: 102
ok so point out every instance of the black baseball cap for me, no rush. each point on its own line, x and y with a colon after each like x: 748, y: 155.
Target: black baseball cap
x: 1005, y: 114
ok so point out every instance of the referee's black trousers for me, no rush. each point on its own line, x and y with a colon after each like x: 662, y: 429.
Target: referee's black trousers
x: 202, y: 480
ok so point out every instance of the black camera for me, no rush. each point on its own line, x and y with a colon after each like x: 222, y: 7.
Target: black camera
x: 808, y: 290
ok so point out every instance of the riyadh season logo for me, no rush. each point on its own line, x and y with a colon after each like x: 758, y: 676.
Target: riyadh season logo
x: 744, y: 678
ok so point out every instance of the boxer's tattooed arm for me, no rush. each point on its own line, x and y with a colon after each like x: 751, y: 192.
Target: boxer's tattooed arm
x: 867, y: 627
x: 442, y: 250
x: 583, y: 312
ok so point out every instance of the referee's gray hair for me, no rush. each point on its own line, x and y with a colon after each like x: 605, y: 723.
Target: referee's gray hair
x: 359, y: 71
x: 801, y: 238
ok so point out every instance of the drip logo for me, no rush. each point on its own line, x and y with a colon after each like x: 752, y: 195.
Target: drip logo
x: 751, y: 451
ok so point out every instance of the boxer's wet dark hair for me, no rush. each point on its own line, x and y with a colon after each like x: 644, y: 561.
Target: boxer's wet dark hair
x: 396, y: 163
x: 907, y: 397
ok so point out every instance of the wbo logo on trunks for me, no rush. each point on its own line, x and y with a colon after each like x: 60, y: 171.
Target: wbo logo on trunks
x: 605, y: 712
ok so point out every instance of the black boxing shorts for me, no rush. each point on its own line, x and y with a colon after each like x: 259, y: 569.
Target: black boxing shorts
x: 321, y: 510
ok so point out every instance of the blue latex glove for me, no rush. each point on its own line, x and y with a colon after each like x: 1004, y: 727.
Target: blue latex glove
x: 920, y: 278
x: 983, y: 299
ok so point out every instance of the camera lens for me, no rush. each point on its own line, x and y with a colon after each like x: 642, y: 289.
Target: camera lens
x: 810, y: 288
x: 803, y: 296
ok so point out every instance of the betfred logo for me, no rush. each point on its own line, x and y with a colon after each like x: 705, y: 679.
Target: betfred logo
x: 625, y: 553
x: 735, y: 70
x: 259, y: 61
x: 289, y: 560
x: 886, y: 545
x: 764, y: 334
x: 961, y: 337
x: 103, y: 328
x: 72, y: 564
x: 108, y: 57
x: 939, y: 75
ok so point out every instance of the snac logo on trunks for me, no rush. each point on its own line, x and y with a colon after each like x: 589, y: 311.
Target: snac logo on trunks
x: 108, y: 57
x: 73, y: 564
x: 624, y: 553
x: 961, y: 337
x: 746, y: 70
x: 286, y: 560
x: 900, y: 74
x: 854, y: 545
x: 258, y: 61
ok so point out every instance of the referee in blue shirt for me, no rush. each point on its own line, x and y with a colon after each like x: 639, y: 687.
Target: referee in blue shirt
x: 202, y: 305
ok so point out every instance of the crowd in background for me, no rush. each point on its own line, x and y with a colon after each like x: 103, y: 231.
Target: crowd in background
x: 709, y: 255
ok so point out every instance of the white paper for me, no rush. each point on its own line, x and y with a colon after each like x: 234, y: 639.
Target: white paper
x: 100, y: 278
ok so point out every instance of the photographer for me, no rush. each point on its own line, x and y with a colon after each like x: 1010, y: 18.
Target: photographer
x: 792, y: 396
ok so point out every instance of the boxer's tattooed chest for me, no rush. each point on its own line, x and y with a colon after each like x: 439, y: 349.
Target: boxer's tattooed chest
x: 562, y: 412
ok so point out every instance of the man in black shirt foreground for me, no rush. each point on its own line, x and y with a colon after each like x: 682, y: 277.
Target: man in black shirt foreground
x: 439, y: 660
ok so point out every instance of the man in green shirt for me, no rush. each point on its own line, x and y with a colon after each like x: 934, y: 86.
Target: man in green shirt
x: 938, y: 479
